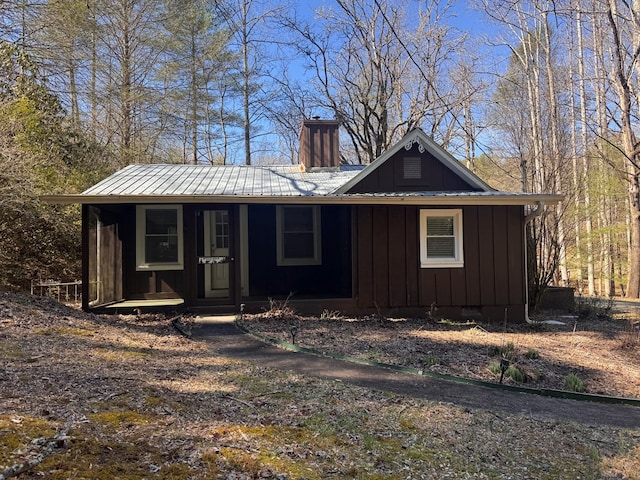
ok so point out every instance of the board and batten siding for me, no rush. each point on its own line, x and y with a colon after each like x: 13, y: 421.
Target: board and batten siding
x: 101, y: 243
x: 492, y: 279
x: 434, y: 176
x: 150, y: 285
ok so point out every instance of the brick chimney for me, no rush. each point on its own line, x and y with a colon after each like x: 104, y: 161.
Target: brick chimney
x: 319, y: 146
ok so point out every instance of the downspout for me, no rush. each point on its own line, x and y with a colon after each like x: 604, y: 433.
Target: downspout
x: 527, y: 219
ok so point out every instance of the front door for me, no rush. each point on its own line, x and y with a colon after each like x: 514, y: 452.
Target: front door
x: 216, y: 258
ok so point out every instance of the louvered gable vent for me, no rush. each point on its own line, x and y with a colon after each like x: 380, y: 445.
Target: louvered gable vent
x: 412, y: 168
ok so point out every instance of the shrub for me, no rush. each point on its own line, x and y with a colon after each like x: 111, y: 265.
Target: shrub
x: 280, y: 309
x: 431, y: 360
x: 631, y: 335
x: 330, y: 315
x: 516, y: 374
x: 512, y: 371
x: 594, y: 308
x: 507, y: 351
x: 494, y: 367
x: 532, y: 354
x: 573, y: 383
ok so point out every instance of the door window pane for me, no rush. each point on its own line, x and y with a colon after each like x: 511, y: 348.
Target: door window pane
x: 222, y: 228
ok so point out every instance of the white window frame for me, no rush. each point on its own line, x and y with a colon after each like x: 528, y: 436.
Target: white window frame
x: 141, y: 217
x: 317, y: 250
x: 457, y: 261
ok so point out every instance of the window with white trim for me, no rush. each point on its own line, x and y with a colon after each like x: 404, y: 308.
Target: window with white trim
x: 298, y: 235
x: 159, y: 237
x: 441, y: 238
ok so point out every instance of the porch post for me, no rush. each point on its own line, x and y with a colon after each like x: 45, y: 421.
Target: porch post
x: 85, y: 257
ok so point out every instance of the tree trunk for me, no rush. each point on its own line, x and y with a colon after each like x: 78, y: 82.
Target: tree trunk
x: 245, y: 83
x: 126, y: 87
x: 624, y: 90
x: 94, y: 69
x: 556, y: 160
x: 194, y: 101
x: 591, y: 282
x: 576, y: 171
x: 633, y: 283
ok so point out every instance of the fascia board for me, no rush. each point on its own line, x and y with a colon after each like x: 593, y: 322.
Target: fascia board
x: 459, y: 199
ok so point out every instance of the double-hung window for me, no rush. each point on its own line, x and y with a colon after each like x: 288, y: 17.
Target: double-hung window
x: 298, y: 235
x: 441, y: 238
x: 159, y: 242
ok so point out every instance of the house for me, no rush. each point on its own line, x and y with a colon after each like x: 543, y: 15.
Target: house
x: 414, y: 228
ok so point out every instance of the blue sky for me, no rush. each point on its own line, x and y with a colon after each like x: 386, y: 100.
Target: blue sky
x: 461, y: 16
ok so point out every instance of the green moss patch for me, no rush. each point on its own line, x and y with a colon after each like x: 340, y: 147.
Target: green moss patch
x: 77, y: 332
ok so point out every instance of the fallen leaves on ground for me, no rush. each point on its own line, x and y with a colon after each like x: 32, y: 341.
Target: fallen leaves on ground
x: 604, y: 354
x: 145, y: 402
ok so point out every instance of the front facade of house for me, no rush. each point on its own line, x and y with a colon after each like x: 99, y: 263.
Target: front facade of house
x: 412, y: 230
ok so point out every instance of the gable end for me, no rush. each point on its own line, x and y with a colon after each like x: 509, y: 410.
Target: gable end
x: 413, y: 171
x: 415, y: 164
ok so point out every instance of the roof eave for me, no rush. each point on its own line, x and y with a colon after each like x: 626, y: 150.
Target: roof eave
x: 460, y: 199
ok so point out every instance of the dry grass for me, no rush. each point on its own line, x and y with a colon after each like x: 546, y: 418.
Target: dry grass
x: 148, y: 403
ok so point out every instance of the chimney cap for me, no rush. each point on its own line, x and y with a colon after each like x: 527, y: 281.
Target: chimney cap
x: 317, y: 120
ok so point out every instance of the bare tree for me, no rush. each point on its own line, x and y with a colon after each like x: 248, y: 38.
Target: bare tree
x: 377, y: 76
x: 127, y: 57
x: 529, y: 107
x: 195, y: 57
x: 248, y: 21
x: 624, y: 30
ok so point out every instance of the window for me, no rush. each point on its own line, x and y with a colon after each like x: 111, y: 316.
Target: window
x: 441, y: 238
x: 159, y: 237
x: 298, y: 235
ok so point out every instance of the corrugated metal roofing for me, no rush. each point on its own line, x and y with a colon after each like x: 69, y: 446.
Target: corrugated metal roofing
x: 239, y: 180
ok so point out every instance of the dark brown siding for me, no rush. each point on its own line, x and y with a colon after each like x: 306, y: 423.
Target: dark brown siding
x: 145, y: 285
x: 330, y: 279
x: 387, y: 252
x: 412, y: 256
x: 380, y: 241
x: 101, y: 243
x: 472, y: 250
x: 365, y: 255
x: 388, y: 266
x: 397, y: 264
x: 319, y: 143
x: 389, y: 177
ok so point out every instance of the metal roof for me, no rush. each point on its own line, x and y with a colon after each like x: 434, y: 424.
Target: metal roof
x: 163, y: 184
x: 181, y: 180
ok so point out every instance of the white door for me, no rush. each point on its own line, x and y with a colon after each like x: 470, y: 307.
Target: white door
x: 216, y: 246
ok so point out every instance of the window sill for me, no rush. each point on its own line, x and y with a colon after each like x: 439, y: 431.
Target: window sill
x: 451, y: 264
x: 302, y: 262
x: 159, y: 267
